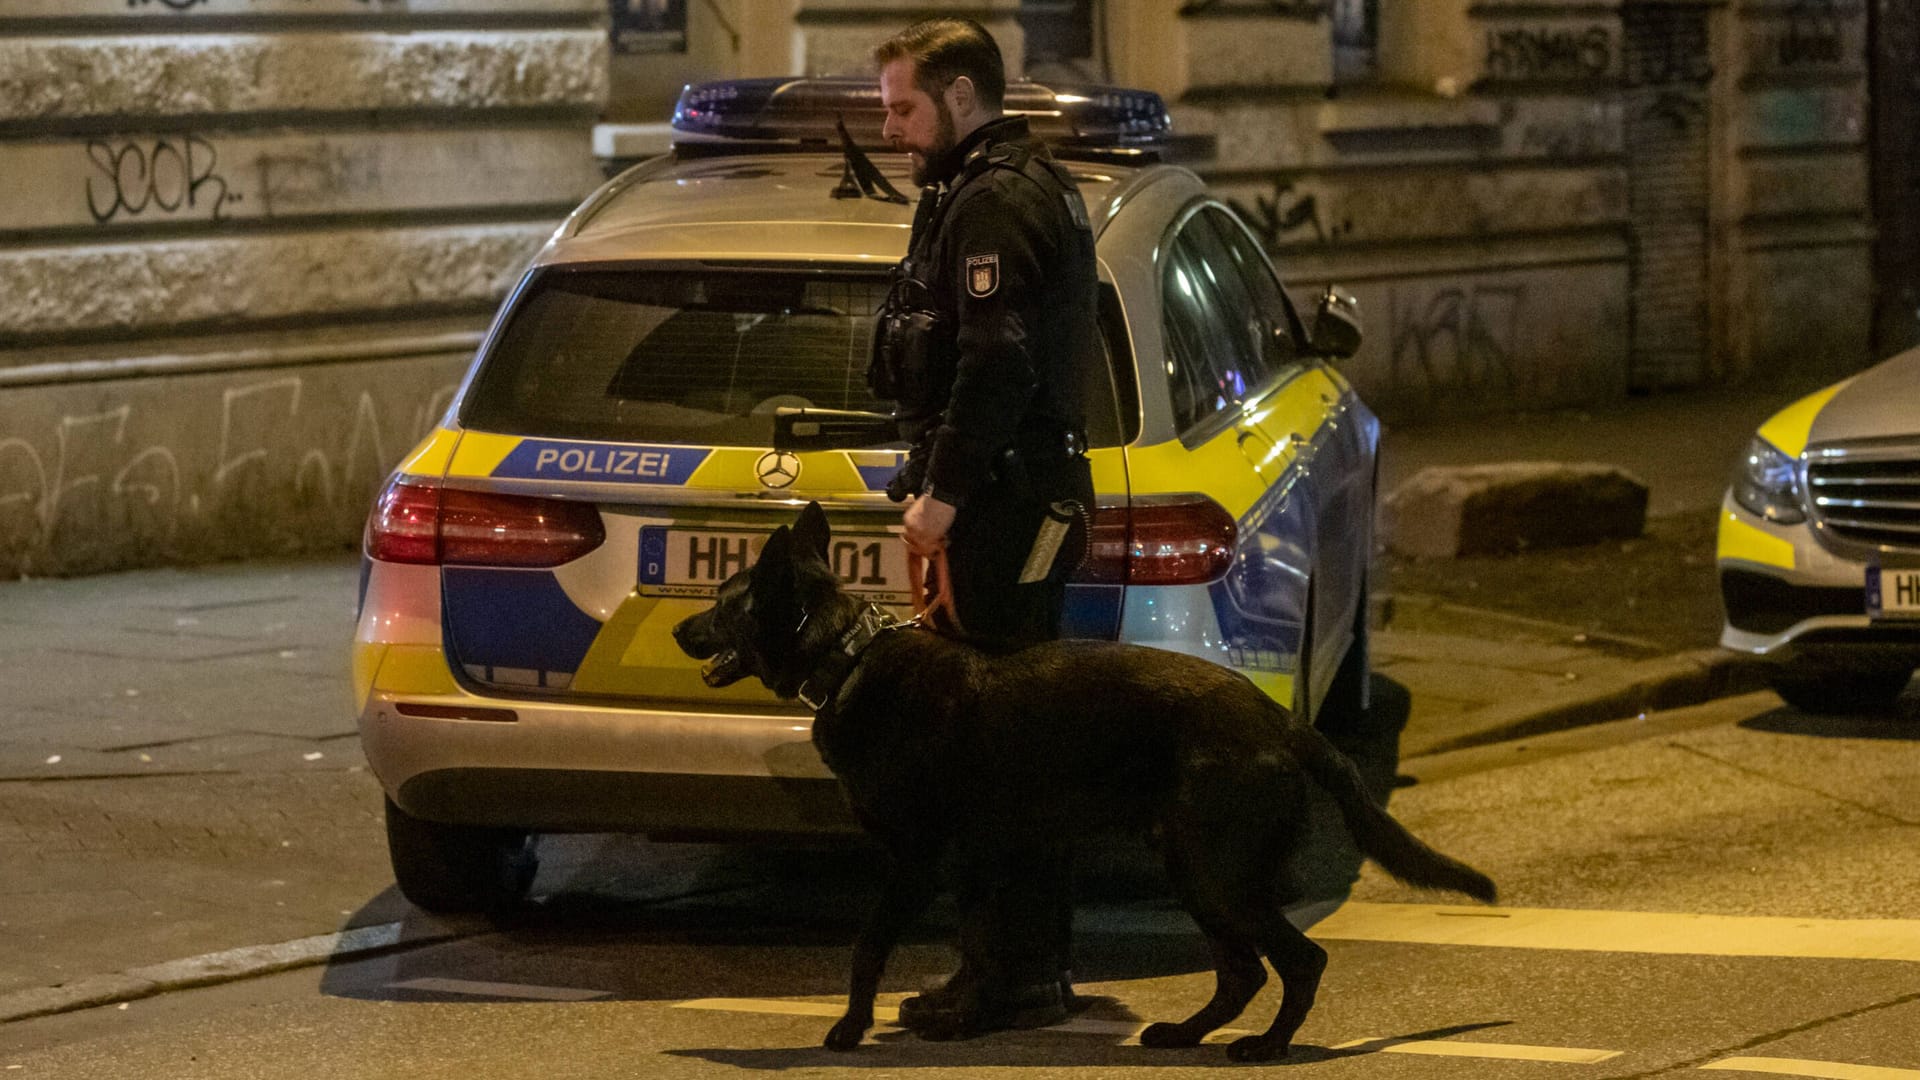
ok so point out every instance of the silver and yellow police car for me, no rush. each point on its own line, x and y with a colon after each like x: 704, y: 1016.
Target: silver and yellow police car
x: 1819, y: 543
x: 612, y: 456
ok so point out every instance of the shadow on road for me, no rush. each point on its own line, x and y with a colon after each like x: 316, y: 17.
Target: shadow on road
x: 609, y: 906
x: 892, y: 1048
x: 1902, y: 723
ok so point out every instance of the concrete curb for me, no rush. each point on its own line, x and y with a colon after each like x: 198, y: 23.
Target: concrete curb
x: 212, y: 968
x: 1667, y: 682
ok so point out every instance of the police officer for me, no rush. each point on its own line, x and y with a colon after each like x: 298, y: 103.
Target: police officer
x: 1003, y: 248
x: 1002, y: 258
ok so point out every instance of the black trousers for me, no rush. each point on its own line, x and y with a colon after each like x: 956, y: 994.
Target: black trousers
x: 1017, y: 907
x: 987, y: 549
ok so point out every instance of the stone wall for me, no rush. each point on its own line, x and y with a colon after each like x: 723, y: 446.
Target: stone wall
x: 1481, y: 231
x: 249, y: 248
x: 1548, y: 202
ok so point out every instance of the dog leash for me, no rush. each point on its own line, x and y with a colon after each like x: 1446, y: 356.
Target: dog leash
x: 924, y: 611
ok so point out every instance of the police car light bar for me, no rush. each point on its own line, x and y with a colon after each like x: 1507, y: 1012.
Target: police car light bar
x: 1090, y: 118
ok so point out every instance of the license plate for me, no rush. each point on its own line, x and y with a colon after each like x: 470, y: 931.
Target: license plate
x: 694, y: 562
x: 1893, y: 594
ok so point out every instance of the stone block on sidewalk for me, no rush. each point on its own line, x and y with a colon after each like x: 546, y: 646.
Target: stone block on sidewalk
x: 1498, y: 509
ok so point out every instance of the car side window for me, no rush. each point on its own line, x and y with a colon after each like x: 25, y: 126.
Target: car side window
x: 1273, y: 324
x: 1218, y: 333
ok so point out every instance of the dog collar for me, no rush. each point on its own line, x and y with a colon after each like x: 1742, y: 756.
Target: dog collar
x: 818, y: 691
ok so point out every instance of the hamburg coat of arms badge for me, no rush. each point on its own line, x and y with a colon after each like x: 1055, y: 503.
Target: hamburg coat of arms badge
x: 983, y: 275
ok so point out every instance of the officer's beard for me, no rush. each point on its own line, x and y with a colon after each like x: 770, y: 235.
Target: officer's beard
x: 944, y: 141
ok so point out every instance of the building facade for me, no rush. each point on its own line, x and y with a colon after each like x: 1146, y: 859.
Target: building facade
x: 249, y: 247
x: 1538, y: 202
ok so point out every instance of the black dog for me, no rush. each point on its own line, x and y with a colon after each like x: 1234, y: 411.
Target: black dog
x: 940, y: 745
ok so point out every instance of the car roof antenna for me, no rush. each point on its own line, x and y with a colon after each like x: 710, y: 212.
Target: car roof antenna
x: 861, y: 176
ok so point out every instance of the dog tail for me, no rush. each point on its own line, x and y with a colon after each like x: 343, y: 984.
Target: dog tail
x: 1377, y: 834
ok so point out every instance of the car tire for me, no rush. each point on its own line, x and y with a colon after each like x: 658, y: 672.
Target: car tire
x: 1835, y: 690
x: 449, y: 869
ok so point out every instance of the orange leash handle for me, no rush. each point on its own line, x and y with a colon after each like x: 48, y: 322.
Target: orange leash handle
x: 942, y: 603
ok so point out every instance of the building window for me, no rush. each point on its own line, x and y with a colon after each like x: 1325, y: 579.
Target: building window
x: 649, y: 26
x: 1062, y: 40
x: 1356, y: 39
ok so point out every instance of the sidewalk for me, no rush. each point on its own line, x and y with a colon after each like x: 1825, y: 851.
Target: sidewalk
x: 1500, y: 648
x: 179, y: 772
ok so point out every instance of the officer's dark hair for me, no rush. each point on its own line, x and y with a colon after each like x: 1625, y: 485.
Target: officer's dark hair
x: 944, y: 49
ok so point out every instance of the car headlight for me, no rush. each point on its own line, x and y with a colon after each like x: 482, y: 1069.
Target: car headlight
x: 1767, y: 483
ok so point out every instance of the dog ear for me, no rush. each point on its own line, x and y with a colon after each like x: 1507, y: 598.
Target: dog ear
x: 773, y: 573
x: 773, y: 588
x: 810, y: 533
x: 778, y: 548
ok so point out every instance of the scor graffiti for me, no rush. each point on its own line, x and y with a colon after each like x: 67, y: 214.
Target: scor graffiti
x: 1549, y: 54
x: 1458, y: 337
x: 166, y: 176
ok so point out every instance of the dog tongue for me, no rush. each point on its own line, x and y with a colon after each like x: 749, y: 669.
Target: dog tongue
x: 721, y: 670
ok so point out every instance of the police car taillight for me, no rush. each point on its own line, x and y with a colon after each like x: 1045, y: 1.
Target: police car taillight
x: 1097, y: 118
x: 1160, y: 540
x: 416, y: 522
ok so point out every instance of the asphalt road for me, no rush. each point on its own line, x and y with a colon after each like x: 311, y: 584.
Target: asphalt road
x: 1731, y: 887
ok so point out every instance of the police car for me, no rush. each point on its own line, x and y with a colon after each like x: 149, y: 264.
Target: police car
x: 612, y: 457
x: 1819, y: 545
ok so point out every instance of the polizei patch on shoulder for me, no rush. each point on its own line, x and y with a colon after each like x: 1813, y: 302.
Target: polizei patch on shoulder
x: 983, y: 275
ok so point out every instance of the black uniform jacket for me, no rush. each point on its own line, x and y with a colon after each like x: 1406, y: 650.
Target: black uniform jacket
x: 1008, y: 253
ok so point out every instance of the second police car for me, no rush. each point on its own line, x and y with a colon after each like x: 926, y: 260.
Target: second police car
x: 1819, y: 543
x: 610, y: 460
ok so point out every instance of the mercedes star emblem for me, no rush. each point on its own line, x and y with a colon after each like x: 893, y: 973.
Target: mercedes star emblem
x: 777, y: 469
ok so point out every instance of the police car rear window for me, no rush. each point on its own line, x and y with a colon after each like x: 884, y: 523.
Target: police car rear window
x: 701, y: 357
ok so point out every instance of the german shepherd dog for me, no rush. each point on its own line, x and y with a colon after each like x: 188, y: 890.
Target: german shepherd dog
x: 940, y: 745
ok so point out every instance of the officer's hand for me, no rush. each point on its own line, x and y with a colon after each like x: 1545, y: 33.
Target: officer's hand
x: 927, y: 520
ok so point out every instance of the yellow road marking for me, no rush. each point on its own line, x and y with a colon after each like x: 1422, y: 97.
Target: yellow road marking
x: 1832, y: 1070
x: 783, y: 1008
x: 1570, y: 1055
x: 1625, y: 931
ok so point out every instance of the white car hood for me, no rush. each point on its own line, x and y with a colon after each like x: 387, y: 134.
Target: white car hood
x: 1881, y: 402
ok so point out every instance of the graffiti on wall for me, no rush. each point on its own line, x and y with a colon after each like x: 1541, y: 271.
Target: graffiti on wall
x: 1668, y: 67
x: 85, y: 492
x: 168, y: 175
x: 1453, y: 336
x: 1286, y: 215
x: 1543, y: 53
x: 299, y: 177
x: 1581, y: 137
x: 1812, y: 36
x: 183, y: 177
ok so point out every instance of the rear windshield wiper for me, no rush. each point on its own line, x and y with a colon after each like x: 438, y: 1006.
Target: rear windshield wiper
x: 862, y: 177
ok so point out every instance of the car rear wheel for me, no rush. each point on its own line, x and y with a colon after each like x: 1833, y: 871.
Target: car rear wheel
x: 1833, y: 689
x: 458, y: 868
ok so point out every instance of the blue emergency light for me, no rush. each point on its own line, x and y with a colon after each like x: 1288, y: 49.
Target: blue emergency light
x: 1100, y: 119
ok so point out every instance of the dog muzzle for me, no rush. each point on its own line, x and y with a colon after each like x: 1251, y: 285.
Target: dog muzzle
x: 723, y: 670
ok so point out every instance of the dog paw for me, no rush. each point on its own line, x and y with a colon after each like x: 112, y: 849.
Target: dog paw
x: 845, y: 1035
x: 1164, y: 1036
x: 1255, y: 1048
